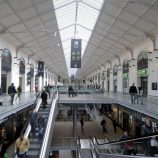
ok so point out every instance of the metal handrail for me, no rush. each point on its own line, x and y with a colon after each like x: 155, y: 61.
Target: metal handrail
x: 15, y: 109
x: 44, y: 147
x: 28, y: 129
x: 128, y: 140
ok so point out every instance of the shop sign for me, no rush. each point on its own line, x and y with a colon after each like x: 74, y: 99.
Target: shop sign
x: 143, y: 72
x: 75, y: 53
x: 125, y: 75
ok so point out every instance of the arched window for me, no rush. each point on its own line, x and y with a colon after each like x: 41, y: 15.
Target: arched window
x: 22, y: 66
x: 115, y: 69
x: 6, y: 60
x: 126, y: 66
x: 142, y: 62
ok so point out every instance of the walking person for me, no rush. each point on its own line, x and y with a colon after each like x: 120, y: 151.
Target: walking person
x: 82, y: 123
x: 147, y: 130
x: 115, y: 125
x: 12, y: 92
x: 18, y: 93
x: 36, y: 90
x: 41, y: 126
x: 33, y: 121
x: 128, y: 148
x: 48, y: 90
x: 104, y: 126
x: 44, y: 99
x: 21, y: 146
x: 140, y: 95
x: 133, y: 92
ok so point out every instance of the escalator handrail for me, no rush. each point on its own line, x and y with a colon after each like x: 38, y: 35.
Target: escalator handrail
x: 28, y: 130
x: 128, y: 140
x: 43, y: 150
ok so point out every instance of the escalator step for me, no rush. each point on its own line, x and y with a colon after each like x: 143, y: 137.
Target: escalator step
x: 34, y: 140
x: 34, y: 146
x: 32, y: 154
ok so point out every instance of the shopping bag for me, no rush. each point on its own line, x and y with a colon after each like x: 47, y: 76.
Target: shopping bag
x: 154, y: 142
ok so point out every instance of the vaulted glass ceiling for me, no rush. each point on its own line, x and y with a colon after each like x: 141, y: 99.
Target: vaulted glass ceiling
x: 76, y: 19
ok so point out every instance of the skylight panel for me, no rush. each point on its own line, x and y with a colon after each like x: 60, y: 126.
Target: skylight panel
x: 76, y: 19
x: 60, y: 3
x: 94, y: 3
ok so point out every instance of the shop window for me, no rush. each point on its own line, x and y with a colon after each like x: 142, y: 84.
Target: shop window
x: 22, y: 66
x: 115, y: 69
x: 142, y: 62
x: 6, y: 60
x: 125, y: 66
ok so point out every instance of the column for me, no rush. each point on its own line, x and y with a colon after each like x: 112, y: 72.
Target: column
x: 119, y: 79
x: 111, y: 81
x: 153, y: 68
x: 74, y: 120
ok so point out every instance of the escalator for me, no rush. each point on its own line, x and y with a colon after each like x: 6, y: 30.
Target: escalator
x: 114, y: 149
x: 35, y: 143
x: 86, y: 153
x: 85, y: 148
x: 40, y: 148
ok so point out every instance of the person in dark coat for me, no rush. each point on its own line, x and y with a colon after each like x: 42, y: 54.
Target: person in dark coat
x: 48, y: 90
x: 41, y: 126
x: 82, y: 123
x: 114, y: 125
x: 70, y: 91
x: 44, y: 98
x: 133, y: 92
x: 127, y: 146
x: 33, y: 121
x: 11, y: 92
x: 145, y: 131
x: 104, y: 126
x: 4, y: 142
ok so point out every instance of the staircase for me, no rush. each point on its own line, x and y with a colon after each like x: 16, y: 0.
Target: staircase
x: 35, y: 143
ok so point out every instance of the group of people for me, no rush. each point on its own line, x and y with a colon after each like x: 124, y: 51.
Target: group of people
x: 136, y: 95
x: 12, y: 91
x: 71, y: 92
x: 130, y: 147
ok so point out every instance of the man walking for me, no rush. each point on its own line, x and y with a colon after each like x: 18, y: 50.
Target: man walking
x: 133, y: 92
x: 11, y: 92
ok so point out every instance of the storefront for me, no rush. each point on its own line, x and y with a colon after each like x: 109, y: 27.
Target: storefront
x: 6, y: 62
x: 125, y: 76
x: 108, y: 80
x: 142, y: 72
x: 22, y: 74
x: 115, y: 70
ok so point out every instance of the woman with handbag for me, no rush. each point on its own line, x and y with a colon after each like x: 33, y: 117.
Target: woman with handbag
x: 147, y: 130
x: 21, y: 146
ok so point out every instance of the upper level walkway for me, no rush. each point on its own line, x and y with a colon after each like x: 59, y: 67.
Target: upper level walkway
x: 25, y: 100
x: 149, y: 107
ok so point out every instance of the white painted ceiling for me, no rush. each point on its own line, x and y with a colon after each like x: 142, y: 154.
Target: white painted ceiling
x: 32, y: 25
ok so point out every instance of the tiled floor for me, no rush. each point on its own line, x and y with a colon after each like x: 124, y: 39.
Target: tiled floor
x: 65, y: 129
